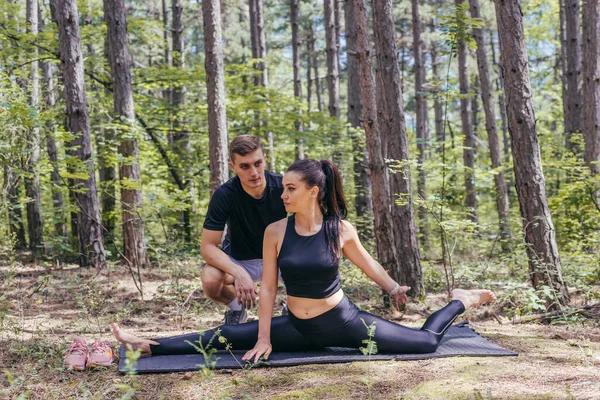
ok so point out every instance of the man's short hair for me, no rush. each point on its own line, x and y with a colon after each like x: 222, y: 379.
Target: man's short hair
x: 244, y: 144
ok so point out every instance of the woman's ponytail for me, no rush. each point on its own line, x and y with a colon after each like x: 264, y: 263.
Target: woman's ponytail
x: 333, y: 205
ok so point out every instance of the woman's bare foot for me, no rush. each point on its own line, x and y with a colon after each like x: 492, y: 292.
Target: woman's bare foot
x: 135, y: 342
x: 473, y: 298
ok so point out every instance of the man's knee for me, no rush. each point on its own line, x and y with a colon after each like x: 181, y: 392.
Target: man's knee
x: 212, y: 278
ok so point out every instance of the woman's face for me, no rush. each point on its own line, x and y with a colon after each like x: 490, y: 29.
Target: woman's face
x: 296, y: 196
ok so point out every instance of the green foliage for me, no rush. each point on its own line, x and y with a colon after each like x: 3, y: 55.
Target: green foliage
x: 370, y: 347
x: 457, y: 26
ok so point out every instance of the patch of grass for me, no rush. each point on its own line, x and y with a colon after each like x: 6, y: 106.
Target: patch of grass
x: 327, y: 391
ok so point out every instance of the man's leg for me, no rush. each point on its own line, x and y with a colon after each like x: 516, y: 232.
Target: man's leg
x: 219, y: 287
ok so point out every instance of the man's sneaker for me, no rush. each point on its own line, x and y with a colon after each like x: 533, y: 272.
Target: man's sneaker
x: 284, y: 309
x: 235, y: 317
x: 76, y: 357
x: 101, y: 355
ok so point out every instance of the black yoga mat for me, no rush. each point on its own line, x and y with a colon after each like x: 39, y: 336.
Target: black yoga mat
x: 460, y: 340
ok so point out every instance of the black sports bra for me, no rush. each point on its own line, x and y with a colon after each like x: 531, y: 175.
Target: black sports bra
x: 306, y: 264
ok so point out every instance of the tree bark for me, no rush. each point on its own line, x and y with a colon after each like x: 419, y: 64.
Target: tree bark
x: 467, y: 128
x: 563, y: 66
x: 106, y: 147
x: 572, y: 100
x: 591, y: 83
x: 333, y: 76
x: 308, y: 73
x: 384, y: 239
x: 503, y: 118
x: 91, y: 245
x: 181, y: 137
x: 60, y: 226
x: 315, y: 64
x: 542, y: 251
x: 129, y: 169
x: 392, y: 127
x: 362, y: 182
x: 487, y: 97
x: 475, y: 107
x: 167, y: 93
x: 296, y: 43
x: 437, y: 103
x: 259, y: 51
x: 421, y: 111
x: 35, y: 226
x: 215, y: 88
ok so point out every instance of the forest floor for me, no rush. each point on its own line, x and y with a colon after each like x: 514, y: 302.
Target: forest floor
x: 42, y: 309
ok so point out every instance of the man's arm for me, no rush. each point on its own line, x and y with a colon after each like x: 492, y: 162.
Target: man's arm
x: 213, y: 255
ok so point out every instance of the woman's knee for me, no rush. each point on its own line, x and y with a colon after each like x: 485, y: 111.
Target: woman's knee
x: 429, y: 342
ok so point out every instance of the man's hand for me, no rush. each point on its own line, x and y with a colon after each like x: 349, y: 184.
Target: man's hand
x: 245, y: 289
x: 399, y: 297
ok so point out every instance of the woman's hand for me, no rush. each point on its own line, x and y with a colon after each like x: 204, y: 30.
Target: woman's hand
x: 262, y: 347
x: 399, y: 297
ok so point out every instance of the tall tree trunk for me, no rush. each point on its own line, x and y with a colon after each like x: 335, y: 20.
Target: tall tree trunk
x: 60, y: 226
x: 487, y: 97
x: 563, y: 67
x: 181, y: 137
x: 167, y: 93
x: 91, y: 245
x: 437, y: 103
x: 591, y: 83
x: 542, y: 251
x: 572, y: 100
x: 422, y: 114
x: 296, y: 43
x: 215, y: 82
x: 362, y: 182
x: 333, y: 76
x: 315, y: 64
x: 15, y: 215
x: 384, y: 239
x: 106, y: 147
x: 467, y: 128
x: 129, y: 170
x: 392, y: 127
x: 503, y: 118
x: 475, y: 107
x: 259, y: 50
x: 35, y: 227
x: 308, y: 73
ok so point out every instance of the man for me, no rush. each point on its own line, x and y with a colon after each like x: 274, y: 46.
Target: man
x: 247, y: 204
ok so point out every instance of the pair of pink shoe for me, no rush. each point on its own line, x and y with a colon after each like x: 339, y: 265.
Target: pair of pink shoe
x: 79, y: 357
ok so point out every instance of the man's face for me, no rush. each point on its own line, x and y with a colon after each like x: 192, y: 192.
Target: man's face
x: 250, y: 168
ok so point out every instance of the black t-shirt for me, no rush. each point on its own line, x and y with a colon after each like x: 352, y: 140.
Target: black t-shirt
x: 246, y: 217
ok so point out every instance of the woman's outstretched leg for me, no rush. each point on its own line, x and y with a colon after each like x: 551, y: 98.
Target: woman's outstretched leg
x: 394, y: 338
x: 284, y: 337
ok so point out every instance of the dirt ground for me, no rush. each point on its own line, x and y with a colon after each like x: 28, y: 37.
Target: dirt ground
x: 42, y: 309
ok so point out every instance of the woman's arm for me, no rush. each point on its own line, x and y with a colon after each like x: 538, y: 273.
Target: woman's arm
x: 268, y: 293
x: 358, y: 255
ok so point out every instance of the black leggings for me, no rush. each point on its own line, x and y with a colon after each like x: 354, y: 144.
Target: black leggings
x: 342, y: 326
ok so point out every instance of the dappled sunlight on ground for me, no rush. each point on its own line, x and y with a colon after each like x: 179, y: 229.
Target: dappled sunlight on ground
x: 42, y: 312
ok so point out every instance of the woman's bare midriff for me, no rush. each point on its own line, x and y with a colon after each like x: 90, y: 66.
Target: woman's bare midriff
x: 304, y: 308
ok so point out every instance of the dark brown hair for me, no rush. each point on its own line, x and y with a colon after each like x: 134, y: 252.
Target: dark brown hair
x: 325, y: 175
x: 244, y: 144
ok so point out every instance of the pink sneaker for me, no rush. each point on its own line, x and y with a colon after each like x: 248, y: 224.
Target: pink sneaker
x: 101, y: 355
x: 77, y: 355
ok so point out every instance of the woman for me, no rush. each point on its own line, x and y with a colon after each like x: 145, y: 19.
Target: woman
x: 306, y: 248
